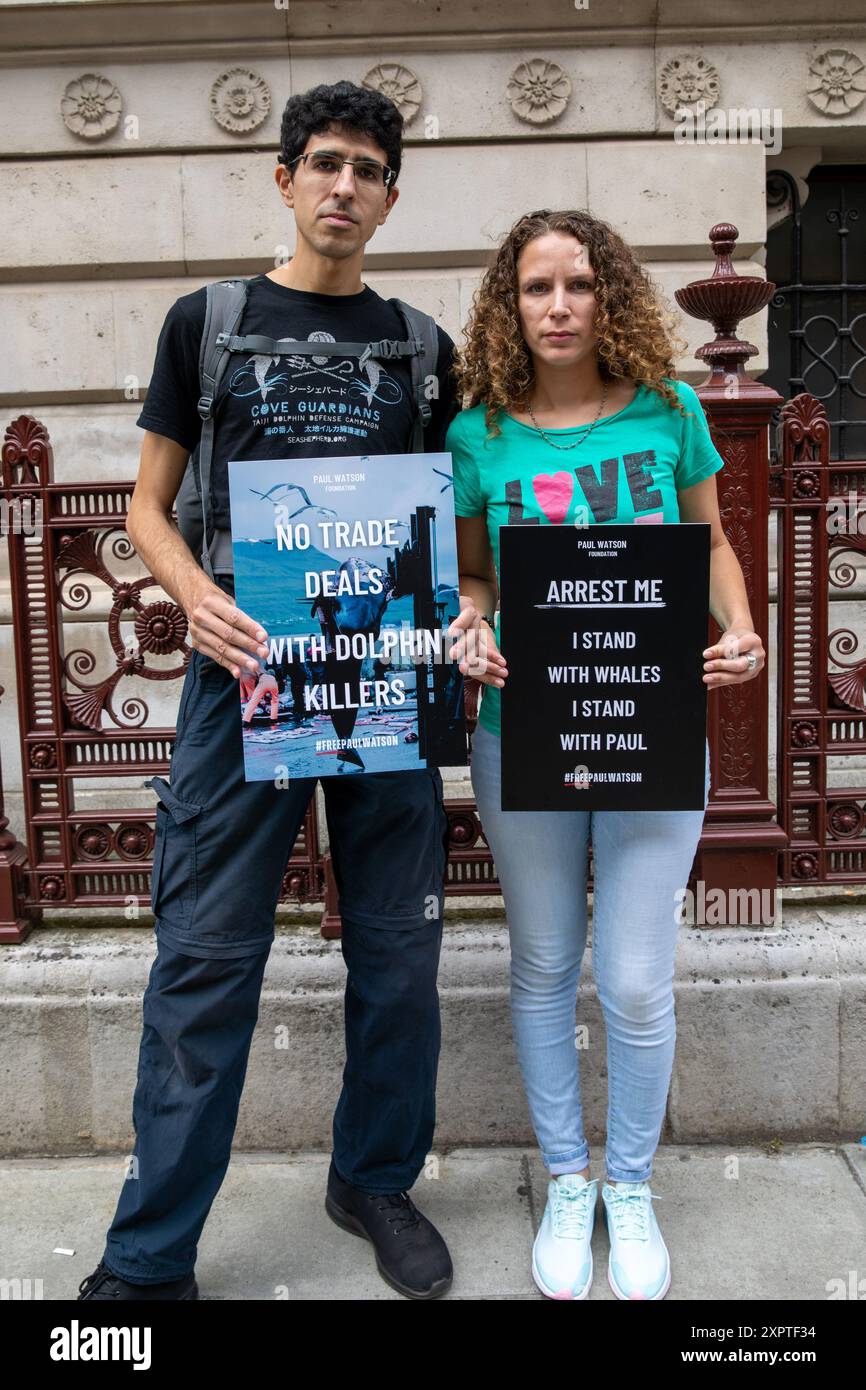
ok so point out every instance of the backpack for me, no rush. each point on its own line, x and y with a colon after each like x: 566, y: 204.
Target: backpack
x: 226, y: 300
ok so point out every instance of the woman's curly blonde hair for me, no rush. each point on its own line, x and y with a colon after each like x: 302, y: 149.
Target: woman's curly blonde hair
x: 635, y: 329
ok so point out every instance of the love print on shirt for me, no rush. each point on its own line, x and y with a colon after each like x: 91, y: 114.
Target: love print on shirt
x: 554, y: 492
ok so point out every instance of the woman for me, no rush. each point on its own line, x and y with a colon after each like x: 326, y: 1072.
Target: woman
x: 569, y: 362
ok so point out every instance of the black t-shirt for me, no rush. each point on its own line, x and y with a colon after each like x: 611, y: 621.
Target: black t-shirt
x: 277, y: 406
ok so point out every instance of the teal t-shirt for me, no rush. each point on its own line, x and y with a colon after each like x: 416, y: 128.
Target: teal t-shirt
x: 629, y: 469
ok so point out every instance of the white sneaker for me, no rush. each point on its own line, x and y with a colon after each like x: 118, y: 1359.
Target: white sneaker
x: 639, y: 1265
x: 562, y: 1254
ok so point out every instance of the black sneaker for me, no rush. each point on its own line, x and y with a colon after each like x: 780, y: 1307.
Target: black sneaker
x: 103, y: 1283
x: 411, y: 1255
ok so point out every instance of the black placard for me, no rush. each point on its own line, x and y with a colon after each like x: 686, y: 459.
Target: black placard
x: 613, y: 614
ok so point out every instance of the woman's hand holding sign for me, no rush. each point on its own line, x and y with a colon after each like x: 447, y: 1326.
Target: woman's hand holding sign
x: 476, y: 649
x: 738, y: 656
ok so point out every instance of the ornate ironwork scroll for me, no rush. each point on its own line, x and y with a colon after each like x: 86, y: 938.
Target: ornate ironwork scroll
x: 83, y: 715
x: 821, y: 509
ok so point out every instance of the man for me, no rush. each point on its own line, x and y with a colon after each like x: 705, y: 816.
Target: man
x: 222, y: 843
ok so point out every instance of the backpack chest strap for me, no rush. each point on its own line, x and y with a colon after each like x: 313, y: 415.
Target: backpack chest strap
x: 386, y: 348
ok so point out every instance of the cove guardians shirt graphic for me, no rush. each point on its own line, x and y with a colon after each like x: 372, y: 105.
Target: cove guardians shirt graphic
x: 272, y: 406
x: 628, y: 470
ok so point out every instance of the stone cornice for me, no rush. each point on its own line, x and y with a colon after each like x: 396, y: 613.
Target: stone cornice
x: 161, y: 30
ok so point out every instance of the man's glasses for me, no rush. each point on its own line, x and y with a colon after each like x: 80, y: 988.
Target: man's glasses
x: 328, y: 167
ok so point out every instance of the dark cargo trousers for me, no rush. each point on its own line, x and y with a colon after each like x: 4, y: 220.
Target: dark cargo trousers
x: 220, y: 853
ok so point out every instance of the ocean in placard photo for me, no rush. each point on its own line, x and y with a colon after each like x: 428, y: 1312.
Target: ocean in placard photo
x: 274, y: 581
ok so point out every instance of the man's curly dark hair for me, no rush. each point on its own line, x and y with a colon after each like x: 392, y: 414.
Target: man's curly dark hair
x: 357, y: 108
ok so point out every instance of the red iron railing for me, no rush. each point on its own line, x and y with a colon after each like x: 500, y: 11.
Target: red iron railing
x: 821, y: 510
x: 83, y: 714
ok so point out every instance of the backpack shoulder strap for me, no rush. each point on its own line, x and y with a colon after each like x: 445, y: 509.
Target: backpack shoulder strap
x: 226, y: 300
x: 224, y: 307
x: 423, y: 364
x: 385, y: 348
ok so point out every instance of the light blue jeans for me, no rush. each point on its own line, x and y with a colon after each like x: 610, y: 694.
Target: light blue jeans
x: 640, y: 860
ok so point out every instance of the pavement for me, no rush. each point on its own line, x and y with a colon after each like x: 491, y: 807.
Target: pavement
x: 743, y: 1223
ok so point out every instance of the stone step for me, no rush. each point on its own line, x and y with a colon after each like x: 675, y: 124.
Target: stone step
x: 771, y: 1035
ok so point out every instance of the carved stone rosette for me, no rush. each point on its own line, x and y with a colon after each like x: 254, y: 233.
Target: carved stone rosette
x: 539, y: 91
x: 90, y: 106
x: 837, y: 82
x: 686, y: 80
x: 240, y: 100
x: 399, y: 84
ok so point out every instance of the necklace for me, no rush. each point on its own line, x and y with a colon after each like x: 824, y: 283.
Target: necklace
x: 589, y: 430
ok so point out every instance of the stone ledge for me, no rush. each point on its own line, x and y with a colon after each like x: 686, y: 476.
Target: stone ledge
x: 132, y: 30
x: 771, y: 1037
